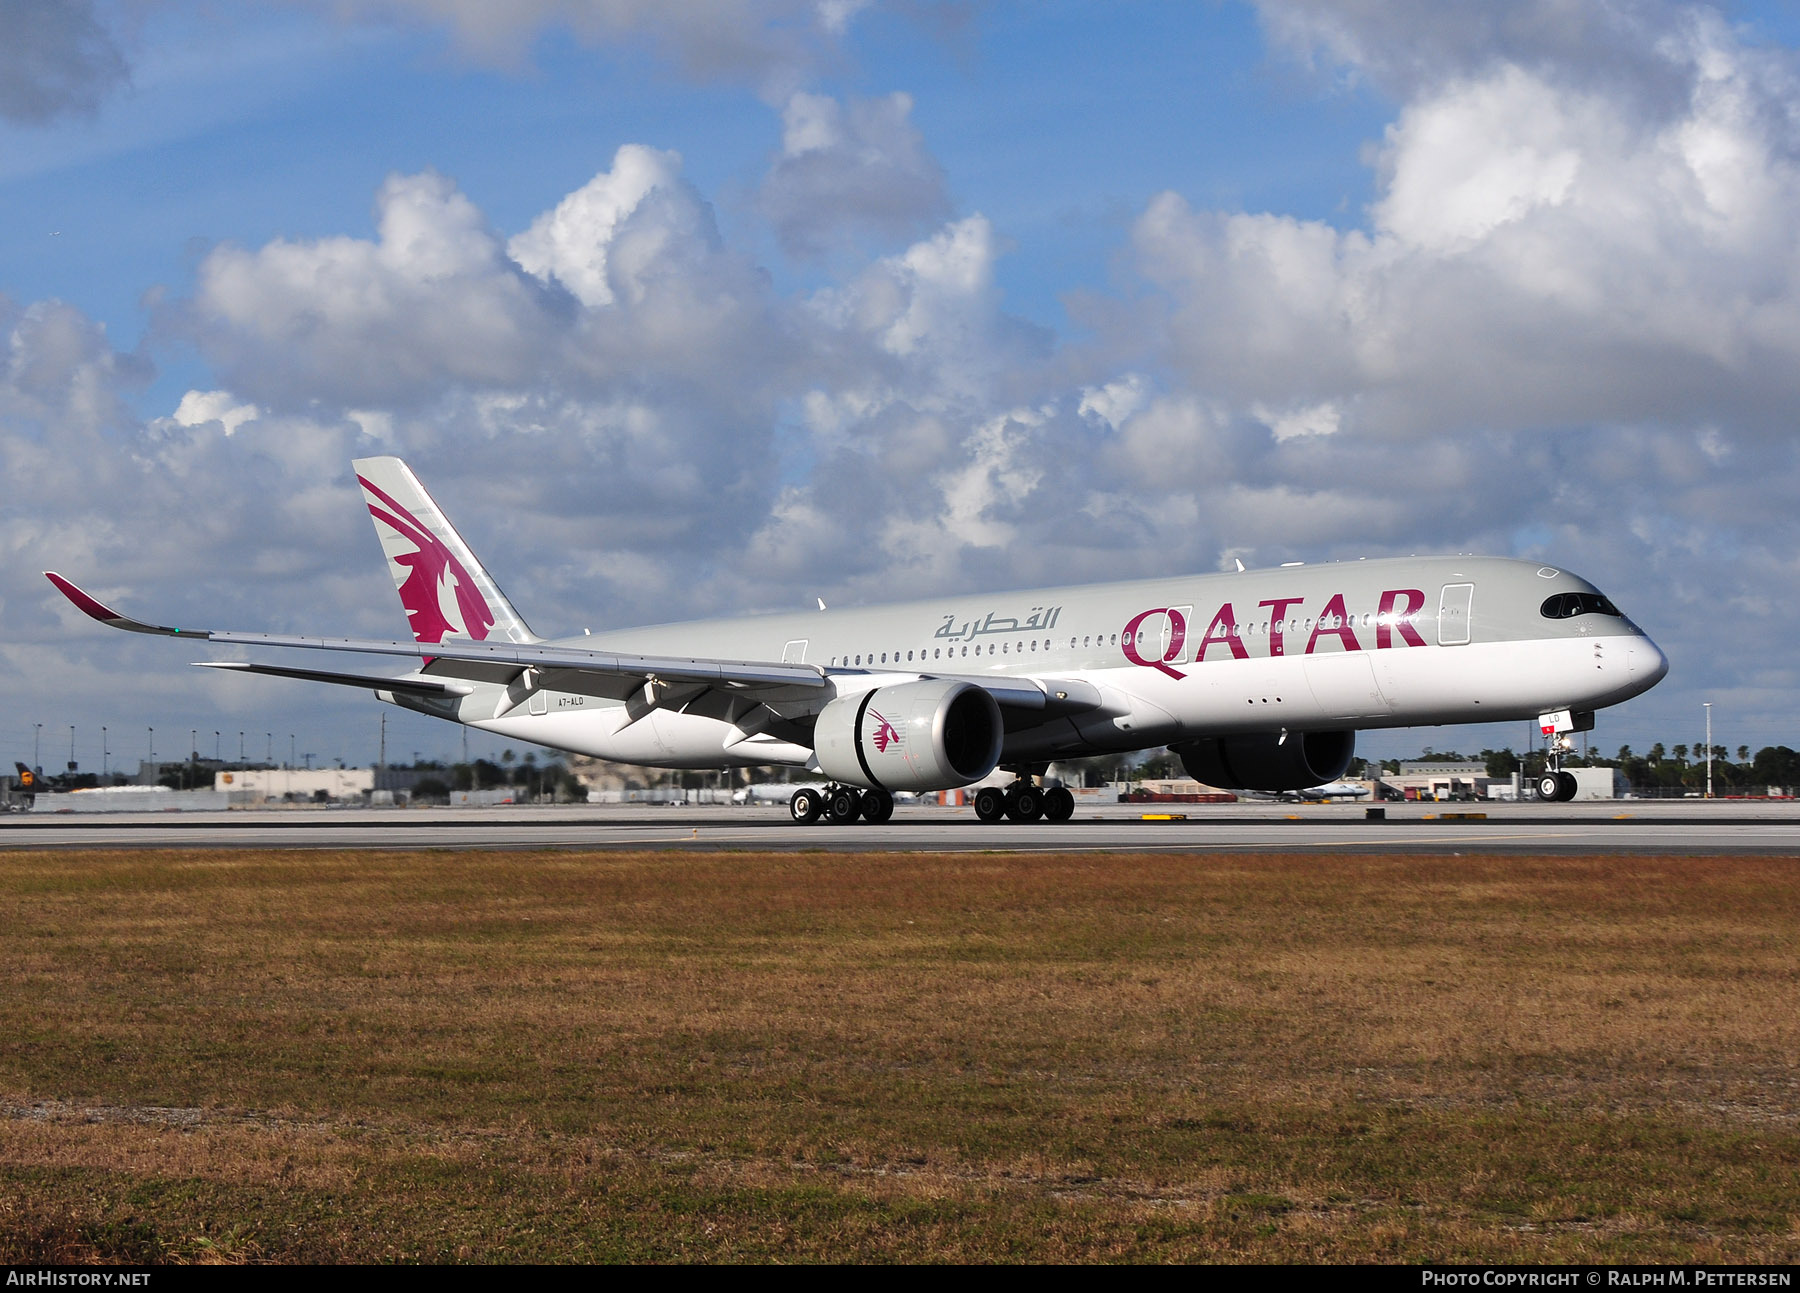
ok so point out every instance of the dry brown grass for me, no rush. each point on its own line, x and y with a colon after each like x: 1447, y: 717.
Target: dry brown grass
x: 969, y: 1057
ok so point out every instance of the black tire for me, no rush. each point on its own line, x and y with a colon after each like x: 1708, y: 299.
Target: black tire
x: 1059, y: 804
x: 843, y: 806
x: 877, y: 806
x: 1549, y: 787
x: 990, y: 804
x: 1567, y: 787
x: 1024, y: 803
x: 806, y: 805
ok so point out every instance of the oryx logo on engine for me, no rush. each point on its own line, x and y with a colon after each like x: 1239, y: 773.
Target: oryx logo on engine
x: 885, y: 732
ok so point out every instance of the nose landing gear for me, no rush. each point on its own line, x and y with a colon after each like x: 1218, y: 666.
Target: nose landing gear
x: 1556, y: 785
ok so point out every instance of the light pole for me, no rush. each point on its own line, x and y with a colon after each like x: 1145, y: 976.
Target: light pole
x: 240, y: 747
x: 1707, y: 704
x: 216, y: 758
x: 105, y: 764
x: 71, y: 747
x: 37, y: 736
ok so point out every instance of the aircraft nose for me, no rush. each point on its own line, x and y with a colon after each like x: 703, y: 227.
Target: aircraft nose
x: 1648, y: 663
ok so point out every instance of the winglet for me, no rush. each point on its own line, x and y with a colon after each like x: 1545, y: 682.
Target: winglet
x: 106, y: 615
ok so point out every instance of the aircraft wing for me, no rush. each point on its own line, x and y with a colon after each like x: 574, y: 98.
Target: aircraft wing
x: 605, y: 673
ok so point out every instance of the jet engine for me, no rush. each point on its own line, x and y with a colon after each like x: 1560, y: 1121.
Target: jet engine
x: 1264, y: 761
x: 928, y: 735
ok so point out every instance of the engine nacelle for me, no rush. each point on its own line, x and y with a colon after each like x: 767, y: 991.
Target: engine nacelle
x: 1265, y: 762
x: 914, y: 736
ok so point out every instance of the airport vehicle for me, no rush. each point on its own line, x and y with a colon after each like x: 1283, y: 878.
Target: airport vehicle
x: 1320, y: 794
x: 1258, y: 679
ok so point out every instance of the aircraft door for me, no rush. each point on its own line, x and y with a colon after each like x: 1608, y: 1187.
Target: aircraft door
x: 1453, y: 614
x: 795, y: 652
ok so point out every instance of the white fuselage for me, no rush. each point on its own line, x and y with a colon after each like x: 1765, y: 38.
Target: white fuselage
x: 1396, y: 643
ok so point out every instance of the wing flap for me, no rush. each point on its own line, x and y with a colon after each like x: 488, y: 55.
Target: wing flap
x: 408, y: 686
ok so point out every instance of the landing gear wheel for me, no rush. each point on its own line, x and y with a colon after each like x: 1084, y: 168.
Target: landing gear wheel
x: 1549, y: 787
x: 1024, y: 803
x: 1566, y: 787
x: 806, y: 805
x: 990, y: 804
x: 843, y: 806
x: 1059, y: 805
x: 877, y: 806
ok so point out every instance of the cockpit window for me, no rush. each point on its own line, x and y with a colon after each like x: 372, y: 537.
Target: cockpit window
x: 1564, y: 606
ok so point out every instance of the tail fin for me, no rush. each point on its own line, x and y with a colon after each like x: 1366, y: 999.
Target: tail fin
x: 446, y: 592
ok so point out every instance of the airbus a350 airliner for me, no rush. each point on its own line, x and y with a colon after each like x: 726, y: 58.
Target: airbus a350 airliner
x: 1258, y: 679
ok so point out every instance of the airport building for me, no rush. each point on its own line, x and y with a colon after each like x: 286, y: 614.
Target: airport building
x: 1441, y: 782
x: 293, y: 785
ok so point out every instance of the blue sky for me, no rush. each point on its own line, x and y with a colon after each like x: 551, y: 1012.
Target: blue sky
x: 935, y: 297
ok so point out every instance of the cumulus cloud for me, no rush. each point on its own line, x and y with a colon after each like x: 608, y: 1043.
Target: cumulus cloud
x: 574, y: 243
x: 55, y: 60
x: 1538, y: 255
x: 200, y: 407
x: 433, y: 298
x: 612, y: 371
x: 850, y: 168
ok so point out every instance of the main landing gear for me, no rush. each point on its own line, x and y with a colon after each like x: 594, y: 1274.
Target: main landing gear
x: 1024, y: 801
x: 840, y: 805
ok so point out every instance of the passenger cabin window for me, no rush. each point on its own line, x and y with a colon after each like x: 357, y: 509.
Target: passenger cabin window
x: 1562, y: 606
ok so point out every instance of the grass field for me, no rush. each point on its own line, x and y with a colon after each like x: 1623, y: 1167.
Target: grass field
x: 318, y: 1056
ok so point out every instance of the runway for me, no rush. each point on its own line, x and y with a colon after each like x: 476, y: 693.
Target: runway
x: 1621, y: 826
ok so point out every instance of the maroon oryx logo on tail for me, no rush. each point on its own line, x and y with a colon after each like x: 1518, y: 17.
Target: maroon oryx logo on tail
x: 438, y: 592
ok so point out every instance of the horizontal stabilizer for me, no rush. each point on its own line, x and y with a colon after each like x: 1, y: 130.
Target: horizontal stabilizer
x: 404, y: 686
